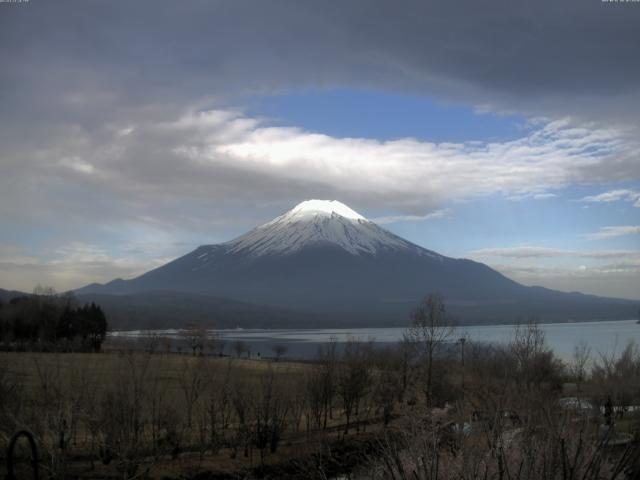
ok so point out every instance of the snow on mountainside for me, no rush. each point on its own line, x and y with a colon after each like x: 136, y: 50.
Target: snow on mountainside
x: 316, y: 222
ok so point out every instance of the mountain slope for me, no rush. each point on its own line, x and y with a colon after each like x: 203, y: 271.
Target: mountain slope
x: 6, y: 295
x: 323, y: 257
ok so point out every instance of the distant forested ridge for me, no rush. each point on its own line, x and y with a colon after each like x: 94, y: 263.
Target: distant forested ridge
x: 45, y: 321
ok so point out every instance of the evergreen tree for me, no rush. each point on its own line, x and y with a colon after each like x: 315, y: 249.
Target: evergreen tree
x: 47, y: 320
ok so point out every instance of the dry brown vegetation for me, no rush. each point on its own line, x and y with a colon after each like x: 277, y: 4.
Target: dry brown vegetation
x: 128, y: 410
x: 505, y: 418
x: 135, y: 413
x: 429, y: 408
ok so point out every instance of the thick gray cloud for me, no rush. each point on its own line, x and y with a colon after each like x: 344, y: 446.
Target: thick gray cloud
x: 90, y: 61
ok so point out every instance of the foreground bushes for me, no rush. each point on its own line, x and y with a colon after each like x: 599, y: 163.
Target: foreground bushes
x: 495, y: 415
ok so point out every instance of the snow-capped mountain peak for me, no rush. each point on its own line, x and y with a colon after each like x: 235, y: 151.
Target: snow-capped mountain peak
x: 324, y: 208
x: 319, y: 222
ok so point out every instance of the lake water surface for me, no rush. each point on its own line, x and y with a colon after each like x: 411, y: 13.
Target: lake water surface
x: 601, y: 337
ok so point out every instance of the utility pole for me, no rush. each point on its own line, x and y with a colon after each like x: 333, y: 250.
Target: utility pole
x: 462, y: 341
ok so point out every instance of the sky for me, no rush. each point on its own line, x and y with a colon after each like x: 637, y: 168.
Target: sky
x: 504, y: 131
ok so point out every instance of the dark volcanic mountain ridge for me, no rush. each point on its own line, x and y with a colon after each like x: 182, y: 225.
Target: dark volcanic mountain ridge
x: 326, y: 265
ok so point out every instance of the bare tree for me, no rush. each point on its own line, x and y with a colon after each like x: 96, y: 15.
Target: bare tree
x: 534, y: 360
x: 279, y: 350
x: 166, y: 344
x: 568, y: 450
x: 192, y: 382
x: 157, y: 401
x: 298, y: 400
x: 354, y: 378
x: 618, y: 377
x: 196, y: 338
x: 387, y: 382
x: 328, y: 360
x: 578, y: 366
x: 216, y: 344
x: 429, y: 330
x: 270, y: 409
x: 239, y: 347
x: 122, y: 416
x: 314, y: 397
x: 11, y: 404
x: 241, y: 400
x: 151, y: 342
x: 218, y: 402
x: 405, y: 357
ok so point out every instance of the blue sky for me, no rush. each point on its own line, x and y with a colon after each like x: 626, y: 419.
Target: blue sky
x: 134, y: 139
x: 381, y: 115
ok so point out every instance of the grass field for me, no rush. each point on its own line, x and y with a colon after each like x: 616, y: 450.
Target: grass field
x: 165, y: 413
x: 108, y: 367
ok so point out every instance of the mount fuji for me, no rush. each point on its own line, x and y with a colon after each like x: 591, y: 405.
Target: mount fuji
x: 323, y: 264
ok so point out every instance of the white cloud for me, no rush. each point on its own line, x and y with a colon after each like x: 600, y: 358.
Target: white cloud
x: 554, y: 155
x: 78, y: 165
x: 524, y: 252
x: 618, y: 277
x: 544, y: 196
x: 615, y: 196
x: 412, y: 218
x: 613, y: 280
x: 631, y: 267
x: 164, y: 169
x: 72, y: 266
x: 532, y: 194
x: 611, y: 232
x: 614, y: 273
x: 15, y: 254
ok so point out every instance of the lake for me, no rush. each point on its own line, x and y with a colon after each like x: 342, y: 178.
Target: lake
x: 601, y: 337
